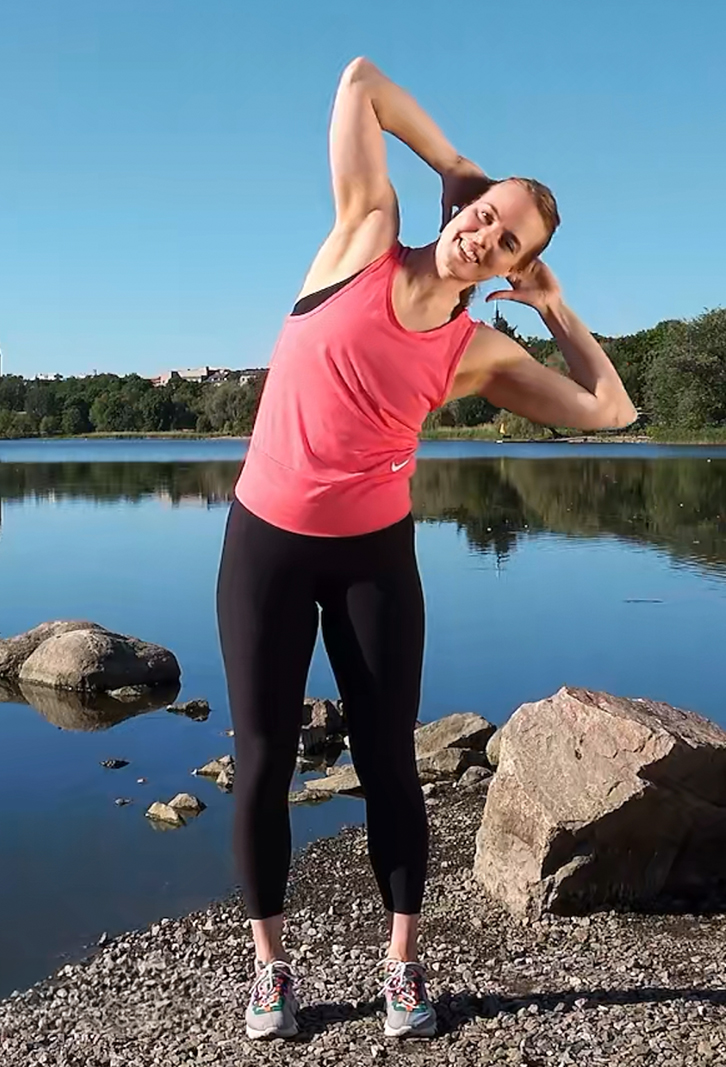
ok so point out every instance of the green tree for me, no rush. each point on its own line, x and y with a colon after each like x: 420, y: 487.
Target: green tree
x: 22, y: 425
x: 50, y: 425
x: 111, y: 413
x: 12, y: 392
x: 74, y: 419
x: 686, y: 379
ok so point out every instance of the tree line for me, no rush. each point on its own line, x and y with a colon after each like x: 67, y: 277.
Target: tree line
x: 108, y: 403
x: 675, y: 373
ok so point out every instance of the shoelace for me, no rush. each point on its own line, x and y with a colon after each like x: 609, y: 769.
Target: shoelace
x: 274, y: 981
x: 405, y: 982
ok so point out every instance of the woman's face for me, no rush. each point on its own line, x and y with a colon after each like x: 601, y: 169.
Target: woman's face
x: 489, y: 238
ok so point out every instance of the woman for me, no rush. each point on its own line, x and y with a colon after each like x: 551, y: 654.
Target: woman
x: 321, y: 528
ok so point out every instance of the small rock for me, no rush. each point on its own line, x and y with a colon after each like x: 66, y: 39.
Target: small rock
x: 121, y: 802
x: 225, y: 779
x: 474, y: 778
x: 312, y: 739
x: 129, y: 692
x: 344, y: 780
x: 462, y: 730
x: 164, y: 813
x: 198, y: 710
x: 308, y: 796
x: 114, y: 764
x: 492, y: 751
x: 187, y: 804
x: 215, y: 767
x: 448, y: 763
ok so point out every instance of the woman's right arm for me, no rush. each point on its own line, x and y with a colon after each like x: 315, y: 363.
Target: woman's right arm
x: 368, y: 104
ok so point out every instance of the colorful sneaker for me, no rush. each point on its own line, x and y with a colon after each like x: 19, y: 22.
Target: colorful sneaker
x: 409, y: 1012
x: 272, y: 1007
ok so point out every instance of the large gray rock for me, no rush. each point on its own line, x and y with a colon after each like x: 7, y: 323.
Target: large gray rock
x: 14, y: 651
x: 602, y: 801
x: 96, y: 659
x: 463, y: 729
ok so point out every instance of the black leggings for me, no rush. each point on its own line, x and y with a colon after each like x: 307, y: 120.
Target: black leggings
x: 273, y: 587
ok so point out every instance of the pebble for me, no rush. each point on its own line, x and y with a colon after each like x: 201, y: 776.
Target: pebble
x: 637, y: 990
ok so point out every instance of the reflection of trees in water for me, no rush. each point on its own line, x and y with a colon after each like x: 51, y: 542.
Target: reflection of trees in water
x: 474, y: 495
x: 675, y: 504
x: 678, y: 504
x: 203, y: 483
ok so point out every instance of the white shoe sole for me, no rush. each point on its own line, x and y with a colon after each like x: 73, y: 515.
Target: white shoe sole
x: 269, y: 1035
x: 410, y: 1031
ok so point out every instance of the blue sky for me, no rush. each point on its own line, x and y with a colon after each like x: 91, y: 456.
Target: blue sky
x: 163, y: 171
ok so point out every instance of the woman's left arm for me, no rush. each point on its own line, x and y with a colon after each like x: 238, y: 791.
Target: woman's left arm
x: 592, y: 398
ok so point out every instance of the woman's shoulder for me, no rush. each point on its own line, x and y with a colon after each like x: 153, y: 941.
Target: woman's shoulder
x: 343, y: 254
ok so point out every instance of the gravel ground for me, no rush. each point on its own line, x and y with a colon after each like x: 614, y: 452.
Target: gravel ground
x: 610, y: 989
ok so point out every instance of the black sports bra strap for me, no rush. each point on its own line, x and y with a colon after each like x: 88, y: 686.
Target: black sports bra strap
x: 314, y: 300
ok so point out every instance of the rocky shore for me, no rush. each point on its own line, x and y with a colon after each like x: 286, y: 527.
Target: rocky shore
x: 617, y: 989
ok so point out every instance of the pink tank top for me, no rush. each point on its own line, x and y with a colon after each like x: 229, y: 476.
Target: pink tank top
x: 333, y: 448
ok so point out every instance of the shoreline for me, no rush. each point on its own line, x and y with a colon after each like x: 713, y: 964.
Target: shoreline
x: 464, y: 434
x: 630, y: 989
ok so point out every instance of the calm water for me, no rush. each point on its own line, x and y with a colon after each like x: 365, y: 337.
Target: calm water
x: 602, y: 566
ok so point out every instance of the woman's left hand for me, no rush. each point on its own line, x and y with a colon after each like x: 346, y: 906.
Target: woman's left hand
x: 535, y: 285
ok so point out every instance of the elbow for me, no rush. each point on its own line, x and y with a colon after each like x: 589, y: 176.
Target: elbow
x: 357, y: 70
x: 619, y: 415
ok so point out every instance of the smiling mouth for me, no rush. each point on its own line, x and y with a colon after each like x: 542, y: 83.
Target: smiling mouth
x: 466, y: 253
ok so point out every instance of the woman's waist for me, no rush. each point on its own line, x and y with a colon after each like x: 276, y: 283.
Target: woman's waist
x: 325, y: 501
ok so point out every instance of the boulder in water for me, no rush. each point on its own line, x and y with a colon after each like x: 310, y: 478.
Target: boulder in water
x: 14, y: 651
x: 98, y: 660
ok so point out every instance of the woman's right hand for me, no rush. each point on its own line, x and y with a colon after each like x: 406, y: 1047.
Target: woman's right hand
x: 462, y: 183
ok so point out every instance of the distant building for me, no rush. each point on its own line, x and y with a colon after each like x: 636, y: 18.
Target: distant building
x: 250, y: 374
x: 187, y: 374
x: 207, y: 375
x: 48, y: 377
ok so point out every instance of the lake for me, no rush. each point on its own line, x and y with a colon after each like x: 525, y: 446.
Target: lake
x: 543, y: 565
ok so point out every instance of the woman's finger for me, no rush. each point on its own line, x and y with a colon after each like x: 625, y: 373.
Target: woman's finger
x: 503, y: 294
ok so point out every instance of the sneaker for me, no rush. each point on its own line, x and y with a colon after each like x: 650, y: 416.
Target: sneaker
x: 409, y: 1012
x: 272, y: 1007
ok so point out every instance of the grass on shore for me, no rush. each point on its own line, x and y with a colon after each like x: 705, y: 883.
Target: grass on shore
x: 709, y: 435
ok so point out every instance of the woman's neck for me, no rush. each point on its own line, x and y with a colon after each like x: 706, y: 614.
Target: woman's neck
x: 426, y: 288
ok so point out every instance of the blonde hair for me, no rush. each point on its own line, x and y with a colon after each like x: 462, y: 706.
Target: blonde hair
x: 544, y: 201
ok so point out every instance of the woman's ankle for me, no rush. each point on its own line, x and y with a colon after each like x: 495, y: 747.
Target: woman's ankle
x: 267, y: 934
x: 403, y: 938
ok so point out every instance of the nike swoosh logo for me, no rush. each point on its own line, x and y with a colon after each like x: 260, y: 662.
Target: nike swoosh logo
x: 397, y: 466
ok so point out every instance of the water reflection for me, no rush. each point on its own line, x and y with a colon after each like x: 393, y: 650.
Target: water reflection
x: 85, y: 711
x: 678, y: 504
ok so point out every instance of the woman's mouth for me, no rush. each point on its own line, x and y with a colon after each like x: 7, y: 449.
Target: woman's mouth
x: 466, y: 252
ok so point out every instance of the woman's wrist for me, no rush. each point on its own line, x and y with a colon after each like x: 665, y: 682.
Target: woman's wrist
x: 553, y: 312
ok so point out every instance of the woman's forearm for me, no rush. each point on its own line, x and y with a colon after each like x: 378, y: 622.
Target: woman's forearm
x: 400, y: 115
x: 589, y: 365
